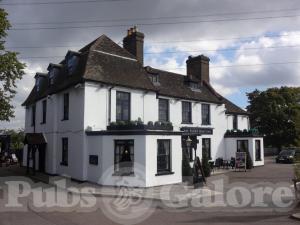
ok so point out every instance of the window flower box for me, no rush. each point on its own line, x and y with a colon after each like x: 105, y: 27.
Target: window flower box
x: 242, y: 133
x: 138, y: 125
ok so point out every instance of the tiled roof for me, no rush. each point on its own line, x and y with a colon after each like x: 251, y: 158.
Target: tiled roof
x: 106, y: 62
x: 174, y: 85
x: 231, y: 108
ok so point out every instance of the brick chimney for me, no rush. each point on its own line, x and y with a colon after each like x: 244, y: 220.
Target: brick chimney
x: 134, y: 43
x: 198, y: 67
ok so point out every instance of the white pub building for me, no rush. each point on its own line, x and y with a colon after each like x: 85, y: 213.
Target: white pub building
x: 100, y: 109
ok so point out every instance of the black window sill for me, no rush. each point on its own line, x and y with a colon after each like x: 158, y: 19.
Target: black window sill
x: 120, y: 174
x: 164, y: 173
x: 204, y: 124
x: 64, y: 164
x: 186, y: 123
x: 64, y: 119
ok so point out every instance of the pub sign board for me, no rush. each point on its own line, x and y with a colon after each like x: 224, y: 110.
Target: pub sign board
x: 198, y: 131
x: 240, y: 161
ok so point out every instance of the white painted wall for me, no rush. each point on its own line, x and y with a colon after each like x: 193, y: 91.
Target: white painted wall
x: 243, y: 122
x: 54, y: 129
x: 89, y: 108
x: 151, y: 163
x: 231, y: 148
x: 145, y: 160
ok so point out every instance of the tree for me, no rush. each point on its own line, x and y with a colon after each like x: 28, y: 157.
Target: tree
x: 11, y: 70
x: 17, y: 138
x: 276, y: 114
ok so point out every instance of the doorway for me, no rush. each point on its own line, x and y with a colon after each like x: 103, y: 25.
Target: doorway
x: 42, y: 158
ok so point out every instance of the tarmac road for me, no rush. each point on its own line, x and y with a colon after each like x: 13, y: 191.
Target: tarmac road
x: 155, y: 213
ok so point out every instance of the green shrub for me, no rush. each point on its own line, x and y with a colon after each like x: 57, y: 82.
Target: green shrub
x: 249, y: 162
x: 150, y: 123
x: 186, y: 168
x: 205, y: 164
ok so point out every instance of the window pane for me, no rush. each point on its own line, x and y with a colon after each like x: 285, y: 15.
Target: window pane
x: 257, y: 150
x: 33, y: 111
x: 235, y: 122
x: 206, y: 147
x: 186, y: 112
x: 44, y: 113
x: 163, y: 110
x: 65, y: 151
x: 66, y: 106
x: 123, y: 106
x: 163, y: 156
x: 242, y: 145
x: 205, y: 110
x: 124, y: 156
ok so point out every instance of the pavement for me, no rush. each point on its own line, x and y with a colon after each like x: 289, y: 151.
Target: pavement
x: 184, y: 191
x: 164, y: 211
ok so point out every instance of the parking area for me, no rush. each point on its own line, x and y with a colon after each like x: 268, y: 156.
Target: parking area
x: 270, y: 173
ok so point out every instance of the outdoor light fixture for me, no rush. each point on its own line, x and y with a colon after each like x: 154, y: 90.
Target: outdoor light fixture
x: 188, y: 142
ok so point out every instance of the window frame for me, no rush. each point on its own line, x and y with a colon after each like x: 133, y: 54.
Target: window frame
x: 65, y: 151
x: 189, y: 111
x: 44, y: 111
x: 168, y: 158
x: 72, y: 63
x: 66, y: 106
x: 154, y: 78
x: 118, y: 155
x: 52, y: 74
x: 242, y: 140
x: 33, y: 115
x: 209, y: 149
x: 167, y: 112
x: 235, y: 122
x: 258, y: 156
x: 38, y: 84
x: 208, y: 111
x: 121, y: 104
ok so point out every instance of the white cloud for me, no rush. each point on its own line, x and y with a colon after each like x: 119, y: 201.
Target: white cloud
x: 227, y: 80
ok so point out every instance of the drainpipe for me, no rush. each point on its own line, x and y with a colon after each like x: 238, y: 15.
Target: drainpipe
x: 109, y: 104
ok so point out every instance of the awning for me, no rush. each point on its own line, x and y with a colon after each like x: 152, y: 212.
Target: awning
x: 34, y: 139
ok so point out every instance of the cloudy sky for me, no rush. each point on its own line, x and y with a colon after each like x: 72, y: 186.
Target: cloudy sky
x: 252, y: 44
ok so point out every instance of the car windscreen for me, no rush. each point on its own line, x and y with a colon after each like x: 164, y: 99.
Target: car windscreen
x: 287, y: 152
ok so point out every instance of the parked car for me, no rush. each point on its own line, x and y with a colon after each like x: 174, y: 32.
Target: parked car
x: 286, y: 156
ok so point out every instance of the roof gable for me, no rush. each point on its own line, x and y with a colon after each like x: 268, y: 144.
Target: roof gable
x: 105, y: 44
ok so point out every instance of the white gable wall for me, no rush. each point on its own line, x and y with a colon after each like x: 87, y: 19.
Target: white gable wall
x: 243, y: 122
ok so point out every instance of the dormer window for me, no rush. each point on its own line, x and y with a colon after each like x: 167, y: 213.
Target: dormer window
x: 38, y: 84
x: 154, y: 79
x: 72, y: 60
x: 72, y: 63
x: 39, y: 80
x: 52, y: 74
x: 194, y: 85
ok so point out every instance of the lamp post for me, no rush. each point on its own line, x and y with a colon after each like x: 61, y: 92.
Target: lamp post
x: 189, y: 144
